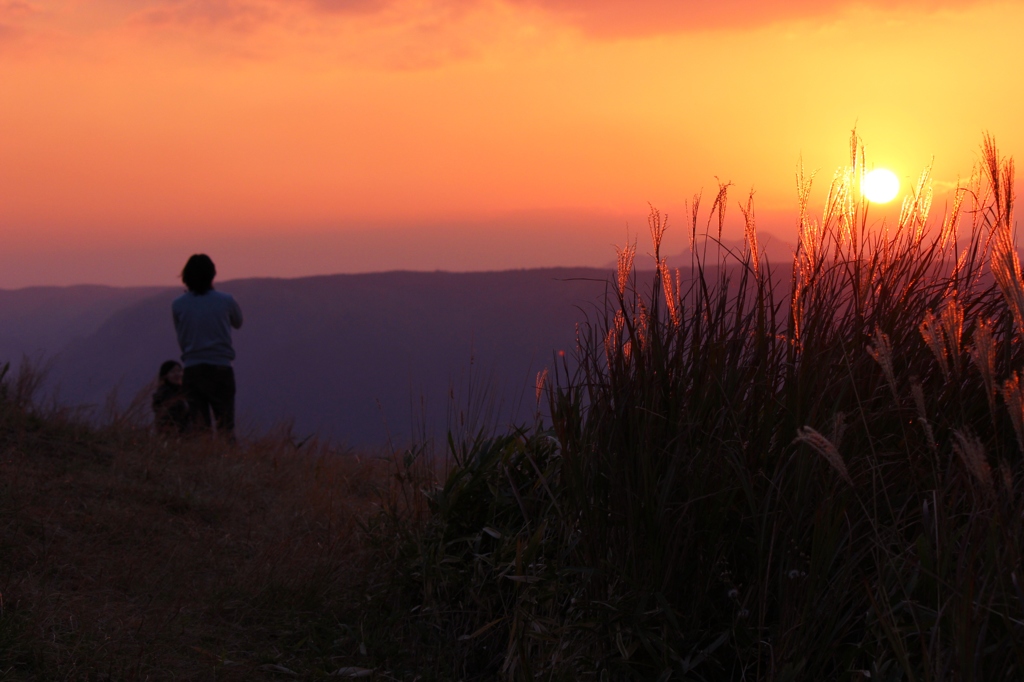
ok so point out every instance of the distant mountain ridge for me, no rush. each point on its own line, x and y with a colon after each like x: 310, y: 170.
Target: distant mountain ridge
x: 38, y: 321
x: 354, y: 358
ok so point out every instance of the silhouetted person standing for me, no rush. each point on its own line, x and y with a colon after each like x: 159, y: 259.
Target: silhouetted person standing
x: 203, y: 319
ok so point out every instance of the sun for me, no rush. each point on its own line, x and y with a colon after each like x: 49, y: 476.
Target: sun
x: 880, y: 186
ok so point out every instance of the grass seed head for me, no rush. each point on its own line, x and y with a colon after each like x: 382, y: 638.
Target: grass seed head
x: 657, y: 224
x: 953, y: 328
x: 1013, y: 395
x: 721, y: 201
x: 625, y: 257
x: 951, y: 223
x: 610, y: 349
x: 671, y: 291
x: 750, y: 232
x: 972, y: 454
x: 983, y: 354
x: 881, y: 351
x: 1000, y: 174
x: 542, y: 378
x: 642, y: 325
x: 694, y: 214
x: 824, y: 447
x: 1007, y: 271
x: 932, y: 334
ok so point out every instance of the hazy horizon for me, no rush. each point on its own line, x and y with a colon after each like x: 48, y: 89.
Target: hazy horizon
x: 557, y: 240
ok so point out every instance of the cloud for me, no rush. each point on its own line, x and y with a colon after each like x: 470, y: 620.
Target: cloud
x: 16, y: 8
x: 397, y: 33
x: 598, y: 18
x: 251, y: 14
x: 349, y: 6
x: 235, y: 15
x: 629, y: 18
x: 394, y: 34
x: 15, y: 16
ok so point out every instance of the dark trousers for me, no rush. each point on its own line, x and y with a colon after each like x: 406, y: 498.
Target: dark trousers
x: 211, y: 388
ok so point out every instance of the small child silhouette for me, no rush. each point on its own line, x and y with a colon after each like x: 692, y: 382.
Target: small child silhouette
x: 170, y: 405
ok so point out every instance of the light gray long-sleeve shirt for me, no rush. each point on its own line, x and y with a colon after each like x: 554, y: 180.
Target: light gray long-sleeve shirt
x: 203, y: 323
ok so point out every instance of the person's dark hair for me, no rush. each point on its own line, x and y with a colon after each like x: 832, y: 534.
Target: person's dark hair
x: 166, y: 368
x: 198, y: 273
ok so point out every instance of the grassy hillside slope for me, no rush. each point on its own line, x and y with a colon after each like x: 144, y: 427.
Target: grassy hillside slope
x: 127, y: 556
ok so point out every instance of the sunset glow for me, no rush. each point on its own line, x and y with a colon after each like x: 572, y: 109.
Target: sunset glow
x: 880, y: 186
x: 314, y: 136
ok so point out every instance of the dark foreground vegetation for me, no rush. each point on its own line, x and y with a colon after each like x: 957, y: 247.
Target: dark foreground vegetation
x: 128, y: 556
x: 742, y: 480
x: 733, y: 479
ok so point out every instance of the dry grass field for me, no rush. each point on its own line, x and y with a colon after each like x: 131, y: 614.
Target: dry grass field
x: 128, y: 556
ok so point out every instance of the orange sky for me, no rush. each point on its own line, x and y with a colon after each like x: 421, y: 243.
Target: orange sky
x: 314, y: 136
